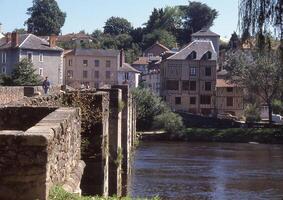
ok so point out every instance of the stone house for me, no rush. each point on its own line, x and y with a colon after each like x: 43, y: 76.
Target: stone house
x: 155, y: 50
x: 46, y: 57
x: 188, y: 78
x: 229, y: 98
x: 128, y: 75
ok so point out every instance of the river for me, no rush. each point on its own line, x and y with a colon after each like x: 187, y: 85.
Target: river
x: 220, y: 171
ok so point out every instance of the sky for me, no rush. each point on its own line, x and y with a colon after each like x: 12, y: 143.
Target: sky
x: 89, y: 15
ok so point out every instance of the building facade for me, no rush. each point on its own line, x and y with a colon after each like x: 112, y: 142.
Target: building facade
x: 46, y: 57
x: 128, y: 75
x: 188, y: 78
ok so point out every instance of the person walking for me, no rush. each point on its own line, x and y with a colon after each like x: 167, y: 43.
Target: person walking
x: 46, y: 85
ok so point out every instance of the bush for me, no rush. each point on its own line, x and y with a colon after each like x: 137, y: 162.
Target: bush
x: 277, y: 107
x: 252, y: 113
x: 169, y: 121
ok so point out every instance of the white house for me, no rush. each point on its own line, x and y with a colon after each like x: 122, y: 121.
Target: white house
x: 128, y: 75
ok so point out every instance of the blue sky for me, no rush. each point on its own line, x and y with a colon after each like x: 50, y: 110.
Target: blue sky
x: 89, y: 15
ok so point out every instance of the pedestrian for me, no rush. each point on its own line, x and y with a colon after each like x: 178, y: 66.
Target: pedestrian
x: 46, y: 85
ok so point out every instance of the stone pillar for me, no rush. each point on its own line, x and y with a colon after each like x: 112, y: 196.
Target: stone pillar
x: 126, y: 135
x: 115, y: 143
x: 95, y: 151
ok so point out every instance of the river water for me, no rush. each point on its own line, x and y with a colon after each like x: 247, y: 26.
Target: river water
x: 207, y: 171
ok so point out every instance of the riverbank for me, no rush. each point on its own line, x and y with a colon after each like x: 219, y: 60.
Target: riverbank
x: 232, y: 135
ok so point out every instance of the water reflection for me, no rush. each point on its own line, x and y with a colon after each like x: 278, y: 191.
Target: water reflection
x: 207, y: 171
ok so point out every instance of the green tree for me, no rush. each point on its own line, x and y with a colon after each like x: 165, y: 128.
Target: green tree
x: 252, y: 113
x: 234, y: 41
x: 46, y: 18
x: 117, y: 25
x: 258, y: 72
x: 24, y: 74
x: 257, y: 17
x: 196, y: 16
x: 20, y: 30
x: 164, y: 37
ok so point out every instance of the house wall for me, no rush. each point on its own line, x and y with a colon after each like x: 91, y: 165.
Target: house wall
x: 132, y: 81
x: 12, y: 58
x: 238, y: 101
x: 152, y: 81
x: 52, y: 64
x: 156, y: 50
x: 78, y: 68
x: 179, y: 70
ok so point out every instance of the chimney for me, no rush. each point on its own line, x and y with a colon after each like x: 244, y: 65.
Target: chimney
x: 8, y: 37
x: 122, y: 57
x: 15, y: 39
x: 52, y: 40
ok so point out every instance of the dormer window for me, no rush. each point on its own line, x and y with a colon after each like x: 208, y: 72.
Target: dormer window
x: 209, y: 55
x: 193, y: 55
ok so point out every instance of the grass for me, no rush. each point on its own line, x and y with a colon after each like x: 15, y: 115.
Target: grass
x: 262, y: 135
x: 58, y: 193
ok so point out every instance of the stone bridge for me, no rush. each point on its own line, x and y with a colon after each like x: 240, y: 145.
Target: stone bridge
x: 79, y: 139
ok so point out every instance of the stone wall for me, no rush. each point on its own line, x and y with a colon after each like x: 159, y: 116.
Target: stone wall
x: 45, y: 155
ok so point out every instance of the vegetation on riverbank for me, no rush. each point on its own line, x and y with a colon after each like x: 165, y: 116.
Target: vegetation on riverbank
x: 233, y: 135
x: 58, y: 193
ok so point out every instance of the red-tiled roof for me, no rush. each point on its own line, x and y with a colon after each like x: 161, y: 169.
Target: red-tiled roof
x: 141, y: 61
x: 224, y: 83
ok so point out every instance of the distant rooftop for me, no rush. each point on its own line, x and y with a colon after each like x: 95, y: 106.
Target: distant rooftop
x: 94, y: 52
x: 205, y: 32
x: 128, y: 68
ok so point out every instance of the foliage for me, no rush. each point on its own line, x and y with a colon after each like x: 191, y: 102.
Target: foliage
x: 258, y: 72
x: 117, y: 26
x: 6, y: 80
x: 24, y: 74
x: 46, y: 18
x: 148, y: 106
x: 277, y: 107
x: 196, y: 16
x: 164, y: 37
x: 252, y: 113
x: 58, y: 193
x: 20, y: 30
x: 258, y: 16
x: 169, y: 121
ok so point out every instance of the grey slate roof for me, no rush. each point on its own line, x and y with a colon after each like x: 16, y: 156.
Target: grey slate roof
x: 128, y: 68
x: 95, y: 52
x: 30, y: 41
x: 205, y: 32
x: 201, y: 47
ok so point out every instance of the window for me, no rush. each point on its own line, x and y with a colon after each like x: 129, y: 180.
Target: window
x: 30, y: 56
x: 209, y: 55
x: 207, y: 86
x: 185, y: 85
x: 230, y: 101
x: 108, y: 74
x: 127, y: 76
x: 96, y: 63
x: 208, y: 71
x: 205, y: 99
x: 84, y: 74
x: 193, y: 55
x: 193, y: 100
x: 193, y: 71
x: 172, y: 85
x: 70, y: 73
x: 41, y: 57
x: 108, y: 63
x: 193, y: 85
x: 85, y: 63
x: 178, y: 101
x: 4, y: 57
x: 4, y: 71
x: 96, y: 74
x: 70, y: 62
x: 150, y: 55
x: 230, y: 89
x: 40, y: 71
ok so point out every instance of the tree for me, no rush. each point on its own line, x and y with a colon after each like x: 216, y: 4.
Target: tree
x: 117, y: 25
x: 24, y: 74
x: 259, y: 16
x: 258, y: 72
x: 20, y: 30
x: 164, y: 37
x: 46, y: 18
x: 197, y: 15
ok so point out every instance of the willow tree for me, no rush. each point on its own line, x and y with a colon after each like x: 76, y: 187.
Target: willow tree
x: 261, y: 16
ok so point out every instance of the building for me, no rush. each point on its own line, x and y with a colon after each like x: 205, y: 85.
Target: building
x: 151, y: 80
x: 188, y: 78
x: 128, y: 75
x: 229, y: 98
x: 46, y: 57
x: 97, y: 68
